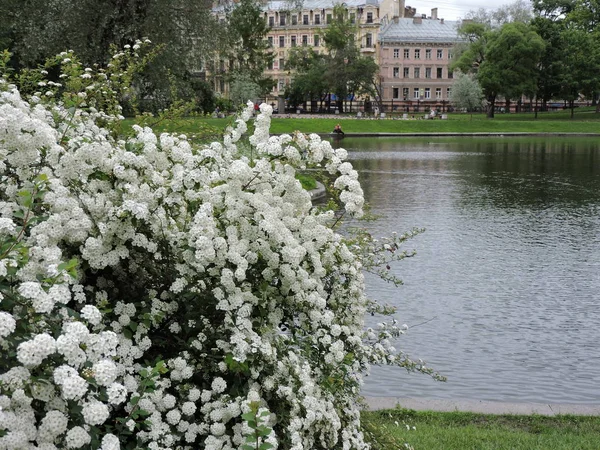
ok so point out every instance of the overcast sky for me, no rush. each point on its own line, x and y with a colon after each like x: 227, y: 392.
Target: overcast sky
x: 454, y: 9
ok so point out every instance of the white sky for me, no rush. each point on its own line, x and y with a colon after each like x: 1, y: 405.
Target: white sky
x: 454, y: 9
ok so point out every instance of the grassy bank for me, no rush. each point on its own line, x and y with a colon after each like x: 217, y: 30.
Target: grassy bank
x: 428, y: 430
x: 584, y: 121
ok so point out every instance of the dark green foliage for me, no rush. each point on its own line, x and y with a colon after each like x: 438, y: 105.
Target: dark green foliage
x: 34, y: 30
x: 248, y: 46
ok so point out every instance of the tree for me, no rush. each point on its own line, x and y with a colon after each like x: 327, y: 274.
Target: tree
x: 308, y: 83
x: 581, y: 60
x: 242, y: 89
x: 466, y: 93
x: 36, y: 30
x: 503, y: 59
x: 519, y: 11
x: 551, y: 65
x: 248, y: 45
x: 343, y: 70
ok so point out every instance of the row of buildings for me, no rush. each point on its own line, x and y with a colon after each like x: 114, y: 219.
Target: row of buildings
x: 413, y: 51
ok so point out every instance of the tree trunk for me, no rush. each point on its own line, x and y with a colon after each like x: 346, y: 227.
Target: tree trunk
x: 572, y: 106
x: 492, y: 105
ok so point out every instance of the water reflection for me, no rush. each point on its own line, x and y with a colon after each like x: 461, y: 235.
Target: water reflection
x: 507, y: 275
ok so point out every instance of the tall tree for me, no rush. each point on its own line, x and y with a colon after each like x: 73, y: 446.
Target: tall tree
x: 249, y: 48
x: 34, y: 30
x: 466, y: 93
x: 349, y: 71
x: 582, y: 63
x: 342, y: 71
x: 504, y: 60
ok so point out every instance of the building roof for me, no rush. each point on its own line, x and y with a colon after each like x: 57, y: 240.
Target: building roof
x: 278, y: 5
x: 291, y: 5
x: 416, y: 29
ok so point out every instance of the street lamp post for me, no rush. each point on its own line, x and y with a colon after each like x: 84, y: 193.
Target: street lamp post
x: 392, y: 111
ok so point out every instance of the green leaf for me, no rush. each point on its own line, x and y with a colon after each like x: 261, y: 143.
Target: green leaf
x: 248, y: 416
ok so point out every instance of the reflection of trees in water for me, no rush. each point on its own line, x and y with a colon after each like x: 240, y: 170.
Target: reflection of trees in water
x: 506, y: 172
x: 534, y: 173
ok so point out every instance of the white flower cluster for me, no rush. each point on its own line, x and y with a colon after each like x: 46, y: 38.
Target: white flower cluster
x: 214, y: 267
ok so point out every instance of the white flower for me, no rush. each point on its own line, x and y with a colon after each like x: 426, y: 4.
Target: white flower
x: 219, y: 385
x: 91, y: 314
x: 73, y: 387
x: 53, y: 424
x: 105, y: 372
x: 95, y: 413
x: 7, y: 324
x: 7, y: 226
x: 173, y: 417
x: 110, y: 442
x: 188, y: 408
x: 117, y: 393
x: 77, y: 437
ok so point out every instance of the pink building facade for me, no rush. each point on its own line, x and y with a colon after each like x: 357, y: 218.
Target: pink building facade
x: 414, y: 59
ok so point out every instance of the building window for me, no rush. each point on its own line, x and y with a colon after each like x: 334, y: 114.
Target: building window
x: 369, y: 40
x: 405, y: 93
x: 317, y: 19
x: 396, y: 72
x: 439, y: 72
x: 270, y: 41
x: 328, y: 18
x: 405, y: 73
x: 417, y: 53
x: 427, y: 93
x: 369, y: 17
x: 450, y: 75
x: 281, y: 84
x: 406, y: 53
x: 428, y: 53
x: 294, y: 20
x: 450, y: 55
x: 440, y: 53
x: 395, y: 92
x: 352, y: 17
x: 293, y: 41
x: 271, y: 21
x: 396, y: 53
x: 448, y: 91
x: 438, y: 93
x: 270, y: 65
x: 316, y: 39
x: 427, y: 72
x: 282, y: 41
x: 304, y: 40
x: 222, y: 85
x: 281, y: 64
x: 416, y: 93
x: 305, y: 19
x: 417, y: 73
x: 282, y: 19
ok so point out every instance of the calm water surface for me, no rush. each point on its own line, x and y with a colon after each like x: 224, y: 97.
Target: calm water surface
x: 506, y: 283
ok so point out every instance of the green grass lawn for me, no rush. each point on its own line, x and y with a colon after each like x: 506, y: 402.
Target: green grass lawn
x: 586, y: 120
x: 428, y: 430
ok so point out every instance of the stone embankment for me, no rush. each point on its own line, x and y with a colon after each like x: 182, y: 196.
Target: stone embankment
x: 483, y: 407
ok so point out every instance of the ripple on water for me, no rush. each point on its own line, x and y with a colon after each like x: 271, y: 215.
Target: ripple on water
x: 507, y: 276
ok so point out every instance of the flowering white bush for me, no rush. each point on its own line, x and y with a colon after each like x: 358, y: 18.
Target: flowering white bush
x: 156, y: 295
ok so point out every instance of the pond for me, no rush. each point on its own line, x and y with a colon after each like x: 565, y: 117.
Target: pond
x: 503, y: 296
